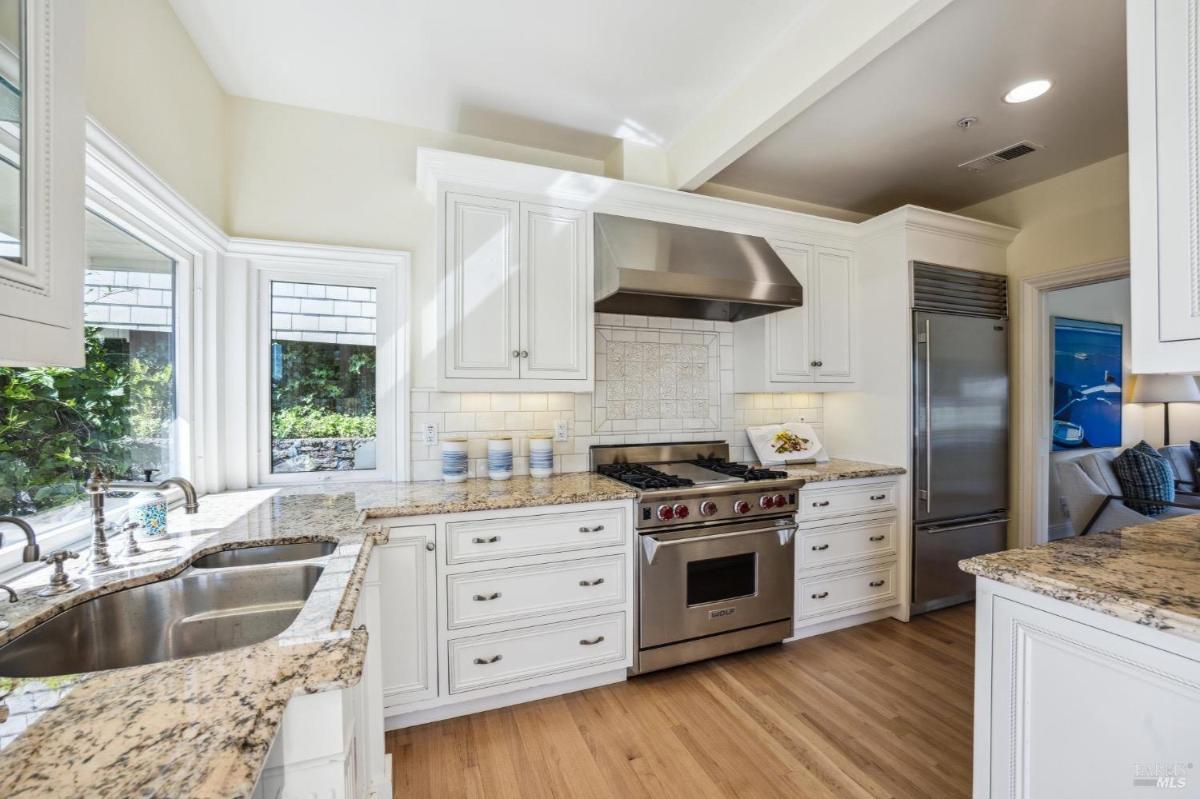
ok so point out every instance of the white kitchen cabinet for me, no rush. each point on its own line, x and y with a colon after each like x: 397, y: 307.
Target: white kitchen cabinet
x: 811, y: 348
x: 41, y: 201
x: 1072, y: 702
x: 517, y: 296
x: 1163, y: 57
x: 408, y: 601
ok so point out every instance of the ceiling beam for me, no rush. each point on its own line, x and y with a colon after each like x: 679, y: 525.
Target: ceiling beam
x: 829, y: 42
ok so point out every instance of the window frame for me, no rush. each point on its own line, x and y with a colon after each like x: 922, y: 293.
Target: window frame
x: 385, y: 271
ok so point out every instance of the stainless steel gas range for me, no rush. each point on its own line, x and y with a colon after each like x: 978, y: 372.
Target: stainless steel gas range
x: 716, y: 562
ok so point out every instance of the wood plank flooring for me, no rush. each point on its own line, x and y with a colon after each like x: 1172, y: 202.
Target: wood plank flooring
x: 880, y: 710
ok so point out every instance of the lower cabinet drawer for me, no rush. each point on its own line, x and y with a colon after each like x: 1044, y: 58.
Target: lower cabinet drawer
x: 830, y: 593
x: 489, y: 539
x: 846, y: 543
x: 825, y: 503
x: 507, y: 594
x: 489, y: 660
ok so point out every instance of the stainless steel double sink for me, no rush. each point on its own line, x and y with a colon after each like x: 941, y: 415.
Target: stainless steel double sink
x: 225, y: 600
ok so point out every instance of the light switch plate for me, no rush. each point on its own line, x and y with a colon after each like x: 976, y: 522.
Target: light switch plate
x: 562, y: 431
x: 430, y: 434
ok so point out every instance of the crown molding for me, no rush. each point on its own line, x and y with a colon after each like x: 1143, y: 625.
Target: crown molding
x: 914, y: 218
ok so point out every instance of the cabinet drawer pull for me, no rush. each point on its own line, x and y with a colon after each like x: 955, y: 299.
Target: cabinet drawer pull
x: 491, y: 539
x: 877, y: 538
x: 597, y: 528
x: 820, y: 547
x: 822, y: 504
x: 590, y: 583
x: 821, y: 595
x: 877, y: 497
x: 486, y: 597
x: 591, y: 642
x: 877, y: 583
x: 488, y: 661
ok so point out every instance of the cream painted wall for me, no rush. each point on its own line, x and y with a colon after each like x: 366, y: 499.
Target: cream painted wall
x: 149, y: 87
x: 325, y: 178
x: 1078, y: 218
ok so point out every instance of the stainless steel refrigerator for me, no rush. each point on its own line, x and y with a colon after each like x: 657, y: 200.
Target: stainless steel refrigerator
x: 960, y: 428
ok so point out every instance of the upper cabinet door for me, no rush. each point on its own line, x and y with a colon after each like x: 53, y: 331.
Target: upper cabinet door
x: 834, y: 323
x: 41, y: 182
x: 789, y: 333
x: 482, y: 330
x: 556, y: 316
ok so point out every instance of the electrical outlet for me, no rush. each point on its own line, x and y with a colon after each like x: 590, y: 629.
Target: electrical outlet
x: 562, y: 431
x: 430, y: 434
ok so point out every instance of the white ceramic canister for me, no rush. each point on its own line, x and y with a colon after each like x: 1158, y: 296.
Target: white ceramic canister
x: 541, y: 454
x: 500, y: 457
x: 454, y: 459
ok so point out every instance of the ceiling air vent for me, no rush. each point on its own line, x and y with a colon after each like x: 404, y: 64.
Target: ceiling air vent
x: 1008, y: 153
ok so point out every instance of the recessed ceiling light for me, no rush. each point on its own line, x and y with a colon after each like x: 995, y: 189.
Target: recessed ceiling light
x: 1028, y: 91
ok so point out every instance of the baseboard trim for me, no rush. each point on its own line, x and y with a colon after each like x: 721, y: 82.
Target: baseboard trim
x: 819, y: 628
x: 468, y: 706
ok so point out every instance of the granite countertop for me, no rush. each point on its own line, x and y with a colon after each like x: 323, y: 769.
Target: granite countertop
x: 202, y: 726
x: 1148, y: 574
x: 839, y: 469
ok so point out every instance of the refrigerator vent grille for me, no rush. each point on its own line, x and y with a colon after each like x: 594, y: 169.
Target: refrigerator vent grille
x: 959, y: 291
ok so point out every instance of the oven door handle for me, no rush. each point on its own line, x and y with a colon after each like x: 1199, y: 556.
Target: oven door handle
x: 651, y: 545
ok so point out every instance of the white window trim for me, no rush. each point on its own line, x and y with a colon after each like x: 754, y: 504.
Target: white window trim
x: 387, y: 271
x: 123, y: 191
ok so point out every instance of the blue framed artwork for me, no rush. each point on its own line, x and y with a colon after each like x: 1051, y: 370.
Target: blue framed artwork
x: 1088, y: 369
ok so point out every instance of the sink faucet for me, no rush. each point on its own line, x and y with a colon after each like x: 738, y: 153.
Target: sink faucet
x: 95, y: 486
x: 32, y: 551
x: 12, y: 597
x: 190, y: 503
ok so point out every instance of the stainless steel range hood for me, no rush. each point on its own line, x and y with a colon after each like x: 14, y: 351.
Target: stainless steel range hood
x: 660, y: 269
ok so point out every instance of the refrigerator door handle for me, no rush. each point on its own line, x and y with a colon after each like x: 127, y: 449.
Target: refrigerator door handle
x: 967, y: 525
x: 928, y: 419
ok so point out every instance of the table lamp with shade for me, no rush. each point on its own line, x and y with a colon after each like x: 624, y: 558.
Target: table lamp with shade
x: 1166, y: 389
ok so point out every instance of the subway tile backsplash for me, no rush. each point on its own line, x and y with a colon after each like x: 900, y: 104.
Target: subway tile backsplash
x: 674, y: 383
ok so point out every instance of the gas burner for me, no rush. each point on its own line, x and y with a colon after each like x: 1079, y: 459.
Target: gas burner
x: 641, y: 476
x: 740, y: 470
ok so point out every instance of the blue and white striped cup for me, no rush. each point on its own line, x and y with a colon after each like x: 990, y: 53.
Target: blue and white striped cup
x: 454, y: 459
x: 500, y: 457
x: 541, y: 454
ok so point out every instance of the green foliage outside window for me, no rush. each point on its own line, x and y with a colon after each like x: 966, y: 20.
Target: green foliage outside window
x: 322, y: 390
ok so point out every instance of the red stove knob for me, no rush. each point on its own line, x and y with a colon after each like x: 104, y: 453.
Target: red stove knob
x: 708, y: 507
x: 765, y: 502
x: 681, y: 511
x: 780, y: 500
x: 741, y: 506
x: 665, y: 513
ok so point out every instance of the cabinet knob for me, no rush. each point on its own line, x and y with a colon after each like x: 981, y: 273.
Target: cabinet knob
x: 516, y: 353
x: 877, y: 583
x: 821, y: 595
x: 592, y: 641
x: 524, y: 353
x: 430, y: 546
x: 488, y: 661
x: 818, y: 363
x: 812, y: 363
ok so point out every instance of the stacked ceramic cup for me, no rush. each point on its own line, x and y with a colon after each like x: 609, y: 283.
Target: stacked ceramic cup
x: 454, y: 459
x: 541, y: 454
x: 500, y: 457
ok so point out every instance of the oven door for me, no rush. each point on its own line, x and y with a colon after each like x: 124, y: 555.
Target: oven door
x: 699, y: 582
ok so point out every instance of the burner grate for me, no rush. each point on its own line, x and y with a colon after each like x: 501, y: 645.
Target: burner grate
x: 642, y: 476
x: 741, y: 470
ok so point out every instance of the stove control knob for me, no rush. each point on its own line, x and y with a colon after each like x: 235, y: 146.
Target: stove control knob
x: 741, y: 506
x: 681, y: 511
x: 765, y: 502
x: 665, y: 513
x: 779, y: 501
x: 708, y: 507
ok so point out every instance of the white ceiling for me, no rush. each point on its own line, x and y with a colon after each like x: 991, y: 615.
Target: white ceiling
x: 573, y: 75
x: 887, y: 135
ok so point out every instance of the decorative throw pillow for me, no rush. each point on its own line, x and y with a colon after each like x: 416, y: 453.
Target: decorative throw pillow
x: 1145, y: 475
x: 1195, y: 448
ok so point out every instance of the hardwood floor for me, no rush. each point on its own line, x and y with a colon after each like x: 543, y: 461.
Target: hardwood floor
x: 880, y: 710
